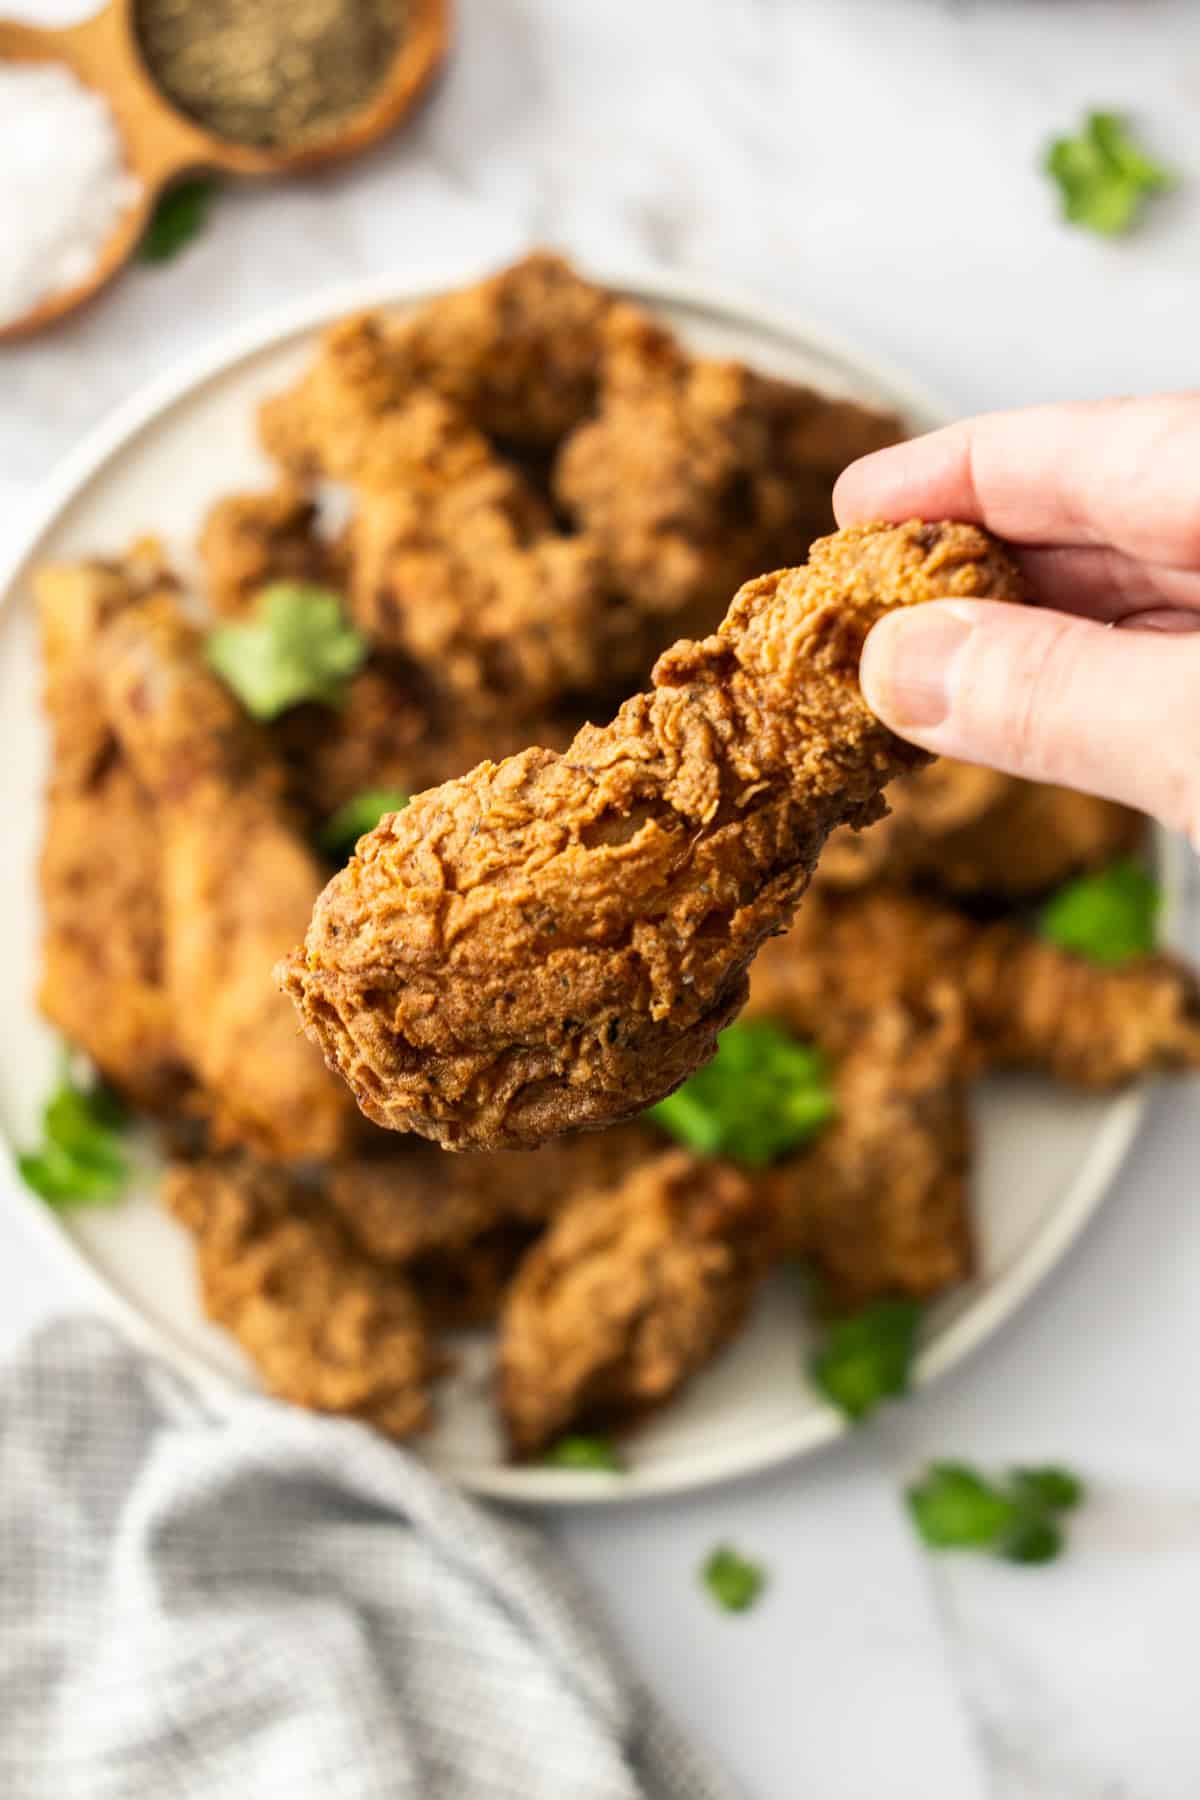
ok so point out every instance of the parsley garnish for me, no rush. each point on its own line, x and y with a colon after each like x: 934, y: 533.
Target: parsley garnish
x: 358, y: 815
x: 80, y: 1161
x: 867, y: 1357
x: 181, y: 215
x: 1103, y: 178
x: 581, y: 1452
x: 763, y: 1094
x: 734, y: 1583
x: 298, y: 646
x: 1110, y: 917
x: 955, y: 1508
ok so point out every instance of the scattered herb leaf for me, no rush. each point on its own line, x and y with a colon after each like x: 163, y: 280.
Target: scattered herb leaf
x: 298, y: 646
x: 955, y: 1508
x: 358, y: 815
x: 763, y: 1094
x: 582, y: 1452
x: 1109, y: 917
x: 181, y: 215
x: 734, y: 1583
x: 80, y: 1161
x: 867, y: 1357
x: 1103, y: 177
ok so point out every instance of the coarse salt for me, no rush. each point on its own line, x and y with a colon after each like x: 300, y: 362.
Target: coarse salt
x: 63, y: 183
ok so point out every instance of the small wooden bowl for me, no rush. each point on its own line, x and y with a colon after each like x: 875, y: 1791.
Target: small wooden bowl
x: 161, y: 143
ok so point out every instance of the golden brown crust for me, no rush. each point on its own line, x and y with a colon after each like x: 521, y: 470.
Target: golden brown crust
x: 324, y: 1327
x: 698, y: 474
x: 632, y: 1290
x: 237, y: 882
x: 556, y: 942
x: 102, y: 982
x: 251, y: 540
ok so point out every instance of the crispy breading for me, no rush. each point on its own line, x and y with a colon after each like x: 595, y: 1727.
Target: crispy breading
x: 251, y: 540
x: 878, y: 1205
x: 632, y: 1289
x: 393, y: 732
x: 412, y: 1201
x: 325, y: 1327
x: 519, y: 355
x: 1034, y: 1006
x: 102, y: 983
x: 556, y: 942
x: 1029, y: 1003
x: 972, y: 832
x: 698, y: 474
x: 238, y: 880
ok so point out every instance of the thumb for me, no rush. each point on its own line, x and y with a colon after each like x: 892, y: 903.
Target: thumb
x: 1046, y: 696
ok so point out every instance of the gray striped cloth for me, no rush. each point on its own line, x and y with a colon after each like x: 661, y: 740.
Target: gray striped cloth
x: 271, y: 1606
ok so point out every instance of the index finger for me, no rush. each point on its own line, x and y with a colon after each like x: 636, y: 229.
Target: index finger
x: 1118, y: 473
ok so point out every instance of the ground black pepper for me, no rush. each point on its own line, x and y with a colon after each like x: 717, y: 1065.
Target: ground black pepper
x: 272, y: 73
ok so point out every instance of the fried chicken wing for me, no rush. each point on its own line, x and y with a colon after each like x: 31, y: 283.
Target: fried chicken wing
x: 698, y: 473
x: 102, y: 982
x: 555, y: 942
x: 325, y: 1327
x: 633, y: 1288
x: 878, y: 1205
x: 252, y: 540
x: 237, y: 882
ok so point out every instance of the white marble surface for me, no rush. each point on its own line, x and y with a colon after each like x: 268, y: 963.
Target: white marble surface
x: 870, y: 163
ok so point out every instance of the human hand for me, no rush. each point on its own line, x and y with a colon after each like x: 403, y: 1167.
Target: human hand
x: 1101, y: 505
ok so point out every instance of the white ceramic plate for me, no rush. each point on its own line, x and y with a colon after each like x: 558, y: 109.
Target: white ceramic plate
x: 1045, y: 1157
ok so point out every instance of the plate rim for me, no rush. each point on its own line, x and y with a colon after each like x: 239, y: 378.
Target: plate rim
x: 771, y: 1446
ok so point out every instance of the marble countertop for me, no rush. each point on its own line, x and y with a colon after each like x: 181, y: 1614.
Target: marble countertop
x: 871, y: 165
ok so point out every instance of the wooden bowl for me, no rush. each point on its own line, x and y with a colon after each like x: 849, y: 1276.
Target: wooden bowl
x: 161, y: 144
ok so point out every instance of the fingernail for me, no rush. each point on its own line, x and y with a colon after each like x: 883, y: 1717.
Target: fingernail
x: 909, y: 666
x: 1159, y: 618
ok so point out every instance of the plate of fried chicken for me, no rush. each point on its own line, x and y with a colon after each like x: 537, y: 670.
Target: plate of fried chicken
x: 431, y: 734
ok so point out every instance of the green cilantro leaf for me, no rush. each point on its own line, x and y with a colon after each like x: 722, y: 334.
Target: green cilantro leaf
x: 1103, y: 177
x: 581, y: 1452
x: 1109, y: 917
x: 956, y: 1508
x: 80, y: 1161
x: 867, y: 1357
x: 298, y: 646
x: 734, y: 1583
x: 181, y: 215
x: 764, y: 1093
x: 1058, y: 1490
x: 358, y: 815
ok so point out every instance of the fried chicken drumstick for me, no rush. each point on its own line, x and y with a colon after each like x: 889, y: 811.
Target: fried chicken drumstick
x: 555, y: 941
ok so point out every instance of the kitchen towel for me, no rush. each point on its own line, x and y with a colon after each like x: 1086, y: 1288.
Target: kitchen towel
x: 260, y: 1604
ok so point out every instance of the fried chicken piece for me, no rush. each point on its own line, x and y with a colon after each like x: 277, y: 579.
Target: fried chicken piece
x: 237, y: 882
x: 252, y: 540
x: 417, y: 1202
x: 971, y: 833
x: 1035, y: 1006
x: 519, y: 355
x: 698, y: 473
x: 878, y: 1205
x: 1029, y: 1003
x: 393, y: 732
x: 102, y: 982
x: 555, y: 942
x: 325, y: 1328
x: 469, y: 579
x: 632, y: 1289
